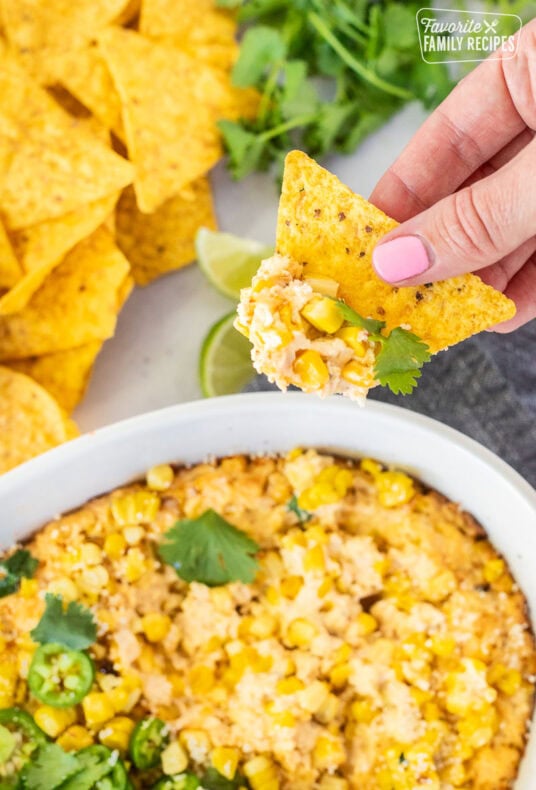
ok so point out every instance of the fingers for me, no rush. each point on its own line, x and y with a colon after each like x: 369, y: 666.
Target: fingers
x: 522, y: 290
x: 476, y: 120
x: 502, y: 157
x: 473, y: 228
x: 499, y: 274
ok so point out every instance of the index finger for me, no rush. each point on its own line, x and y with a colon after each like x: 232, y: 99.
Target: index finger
x: 476, y: 120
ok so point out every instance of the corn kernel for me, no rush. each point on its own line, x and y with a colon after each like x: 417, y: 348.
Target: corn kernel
x: 313, y: 559
x: 133, y: 535
x: 114, y: 545
x: 225, y: 760
x: 53, y: 721
x: 328, y: 753
x: 280, y: 718
x: 366, y: 623
x: 174, y: 759
x: 28, y: 587
x: 342, y: 653
x: 394, y: 488
x: 90, y: 554
x: 311, y: 370
x: 493, y: 570
x: 201, y: 679
x: 155, y: 626
x: 467, y: 689
x: 329, y: 710
x: 329, y: 782
x: 323, y: 285
x: 97, y: 708
x: 352, y: 337
x: 93, y: 579
x: 325, y: 587
x: 75, y: 738
x: 300, y: 632
x: 64, y: 587
x: 289, y: 685
x: 314, y: 696
x: 354, y: 373
x: 506, y: 680
x: 362, y: 711
x: 339, y: 675
x: 139, y: 507
x: 262, y: 773
x: 136, y: 565
x: 159, y: 478
x: 324, y: 314
x: 431, y: 711
x: 8, y: 682
x: 442, y: 646
x: 477, y: 729
x: 196, y: 743
x: 116, y: 734
x: 263, y: 626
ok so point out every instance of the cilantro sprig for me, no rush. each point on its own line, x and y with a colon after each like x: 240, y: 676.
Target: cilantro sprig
x: 72, y: 626
x: 21, y: 565
x: 49, y: 768
x: 210, y: 550
x: 329, y: 73
x: 402, y: 354
x: 302, y: 515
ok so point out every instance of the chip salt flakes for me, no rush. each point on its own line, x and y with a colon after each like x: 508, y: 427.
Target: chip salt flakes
x: 84, y: 73
x: 76, y: 304
x: 64, y: 374
x: 321, y: 221
x: 163, y: 241
x: 55, y: 165
x: 170, y: 107
x: 41, y: 247
x: 10, y: 269
x: 31, y: 421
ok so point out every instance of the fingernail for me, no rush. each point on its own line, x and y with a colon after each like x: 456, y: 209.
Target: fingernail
x: 401, y: 258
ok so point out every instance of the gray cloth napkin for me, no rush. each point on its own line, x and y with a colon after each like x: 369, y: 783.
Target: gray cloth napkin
x: 484, y: 387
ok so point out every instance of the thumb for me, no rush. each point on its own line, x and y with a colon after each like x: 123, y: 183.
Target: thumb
x: 465, y: 231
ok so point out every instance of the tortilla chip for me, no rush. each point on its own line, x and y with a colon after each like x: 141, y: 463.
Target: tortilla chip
x: 55, y: 165
x: 76, y: 304
x: 42, y: 247
x: 163, y: 241
x: 64, y: 374
x: 31, y: 421
x: 10, y: 269
x: 170, y: 106
x: 37, y: 29
x: 85, y: 74
x: 321, y: 221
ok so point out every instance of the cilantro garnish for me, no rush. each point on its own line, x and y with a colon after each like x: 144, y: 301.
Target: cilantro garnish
x: 303, y: 515
x: 209, y: 550
x: 72, y: 626
x: 20, y: 565
x: 49, y: 767
x: 402, y: 354
x: 364, y: 56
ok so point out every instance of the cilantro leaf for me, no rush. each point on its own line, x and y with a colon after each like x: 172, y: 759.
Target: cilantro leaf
x: 303, y: 515
x: 261, y: 47
x: 49, y: 768
x: 209, y: 550
x: 72, y: 626
x: 400, y: 359
x: 20, y: 565
x: 370, y: 325
x: 245, y: 148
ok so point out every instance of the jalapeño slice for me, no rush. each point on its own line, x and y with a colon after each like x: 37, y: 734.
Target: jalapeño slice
x: 147, y: 742
x: 178, y: 782
x: 60, y: 677
x: 19, y: 738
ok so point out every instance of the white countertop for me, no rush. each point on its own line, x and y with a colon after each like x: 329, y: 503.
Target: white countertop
x: 152, y: 360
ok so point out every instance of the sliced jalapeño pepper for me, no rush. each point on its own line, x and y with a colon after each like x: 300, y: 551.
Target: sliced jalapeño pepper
x: 60, y: 677
x: 19, y: 738
x: 178, y: 782
x: 101, y: 769
x: 147, y: 742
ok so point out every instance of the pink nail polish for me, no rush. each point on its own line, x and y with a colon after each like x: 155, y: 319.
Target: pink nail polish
x: 401, y: 258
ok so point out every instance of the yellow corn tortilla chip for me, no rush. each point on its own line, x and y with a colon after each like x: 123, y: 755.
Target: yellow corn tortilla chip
x: 31, y: 421
x: 10, y: 268
x: 322, y: 222
x: 76, y: 304
x: 42, y: 247
x: 163, y: 241
x: 84, y: 73
x: 55, y: 165
x: 170, y: 106
x: 37, y: 29
x: 64, y: 374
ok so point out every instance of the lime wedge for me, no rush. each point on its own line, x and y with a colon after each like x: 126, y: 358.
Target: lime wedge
x: 225, y: 365
x: 228, y: 261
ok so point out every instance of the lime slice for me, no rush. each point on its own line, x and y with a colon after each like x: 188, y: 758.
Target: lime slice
x: 228, y: 261
x: 225, y: 365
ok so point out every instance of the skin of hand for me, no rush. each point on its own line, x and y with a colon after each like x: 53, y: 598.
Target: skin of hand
x: 464, y: 188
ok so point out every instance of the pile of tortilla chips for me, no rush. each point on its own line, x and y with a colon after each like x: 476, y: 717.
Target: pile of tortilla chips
x: 108, y: 128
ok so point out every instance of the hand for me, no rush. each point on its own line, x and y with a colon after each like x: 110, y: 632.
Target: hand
x: 465, y: 186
